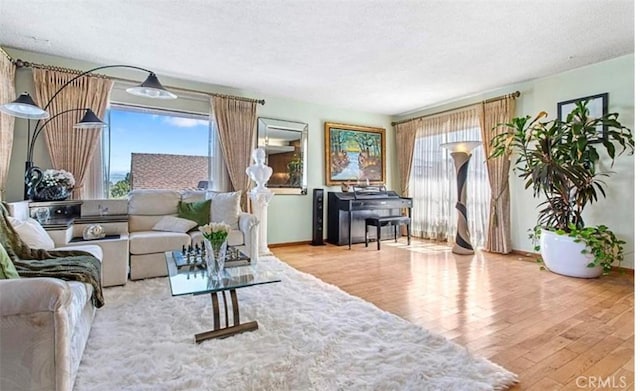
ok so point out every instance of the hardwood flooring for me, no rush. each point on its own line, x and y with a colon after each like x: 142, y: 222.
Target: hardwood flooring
x: 555, y: 332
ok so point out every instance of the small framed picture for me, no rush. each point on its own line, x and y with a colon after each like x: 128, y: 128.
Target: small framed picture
x: 598, y: 106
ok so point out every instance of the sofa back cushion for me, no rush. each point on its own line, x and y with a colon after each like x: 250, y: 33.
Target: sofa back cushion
x: 156, y: 202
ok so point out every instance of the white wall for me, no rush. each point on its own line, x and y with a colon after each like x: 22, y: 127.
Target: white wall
x: 615, y: 77
x: 289, y: 215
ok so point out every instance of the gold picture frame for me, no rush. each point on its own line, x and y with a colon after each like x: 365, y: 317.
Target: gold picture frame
x: 354, y: 154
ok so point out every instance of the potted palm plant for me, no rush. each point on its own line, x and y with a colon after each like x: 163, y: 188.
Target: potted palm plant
x: 558, y: 160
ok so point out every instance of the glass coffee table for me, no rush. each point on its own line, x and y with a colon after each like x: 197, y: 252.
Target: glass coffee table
x: 196, y: 281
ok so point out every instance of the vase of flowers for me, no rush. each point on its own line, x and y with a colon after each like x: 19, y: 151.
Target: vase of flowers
x: 216, y: 247
x: 50, y: 185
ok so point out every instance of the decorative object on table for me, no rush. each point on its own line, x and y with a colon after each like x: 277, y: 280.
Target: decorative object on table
x: 25, y: 107
x: 215, y: 247
x: 353, y: 153
x: 42, y: 214
x: 93, y: 232
x: 598, y: 106
x: 260, y: 196
x: 50, y: 185
x: 461, y: 153
x: 560, y: 161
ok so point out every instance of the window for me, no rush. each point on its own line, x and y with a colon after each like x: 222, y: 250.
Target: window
x: 150, y: 149
x: 433, y: 186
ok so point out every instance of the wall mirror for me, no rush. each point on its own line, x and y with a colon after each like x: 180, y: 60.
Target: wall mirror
x: 285, y: 143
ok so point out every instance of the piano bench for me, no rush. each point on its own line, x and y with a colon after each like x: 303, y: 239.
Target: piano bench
x: 382, y: 221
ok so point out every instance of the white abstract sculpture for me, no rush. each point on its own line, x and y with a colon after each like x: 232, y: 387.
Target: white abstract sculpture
x: 260, y: 196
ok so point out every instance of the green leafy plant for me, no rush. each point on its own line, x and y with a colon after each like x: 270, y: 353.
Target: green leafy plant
x: 558, y: 160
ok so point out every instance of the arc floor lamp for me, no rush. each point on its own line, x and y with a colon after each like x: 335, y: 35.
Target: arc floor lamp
x: 461, y: 153
x: 24, y: 107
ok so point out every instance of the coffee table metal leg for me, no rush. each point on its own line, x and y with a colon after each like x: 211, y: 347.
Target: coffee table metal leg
x: 223, y: 332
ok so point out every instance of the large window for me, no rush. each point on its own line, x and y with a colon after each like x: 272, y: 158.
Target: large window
x: 151, y: 149
x: 433, y: 186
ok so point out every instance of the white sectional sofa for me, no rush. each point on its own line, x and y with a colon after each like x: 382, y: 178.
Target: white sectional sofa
x: 44, y: 327
x: 147, y: 246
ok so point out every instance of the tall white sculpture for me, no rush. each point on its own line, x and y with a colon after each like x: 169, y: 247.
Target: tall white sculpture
x: 260, y: 196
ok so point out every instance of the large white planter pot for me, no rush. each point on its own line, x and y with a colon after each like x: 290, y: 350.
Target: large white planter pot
x: 564, y: 256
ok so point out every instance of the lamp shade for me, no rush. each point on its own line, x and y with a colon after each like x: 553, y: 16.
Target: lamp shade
x: 461, y: 146
x: 151, y: 88
x: 24, y: 107
x: 89, y: 120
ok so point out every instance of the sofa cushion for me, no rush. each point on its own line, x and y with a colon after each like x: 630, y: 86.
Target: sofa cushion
x: 174, y: 224
x: 194, y: 195
x: 197, y: 211
x: 92, y: 249
x: 155, y: 202
x: 147, y: 242
x: 225, y: 208
x: 7, y: 268
x: 235, y: 238
x: 143, y: 223
x: 32, y: 233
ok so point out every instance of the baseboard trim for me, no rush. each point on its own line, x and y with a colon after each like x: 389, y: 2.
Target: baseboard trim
x: 289, y: 244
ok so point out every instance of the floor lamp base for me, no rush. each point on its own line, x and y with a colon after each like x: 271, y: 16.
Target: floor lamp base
x: 457, y: 249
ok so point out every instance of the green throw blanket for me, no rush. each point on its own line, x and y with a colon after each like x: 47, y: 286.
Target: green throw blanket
x: 65, y: 265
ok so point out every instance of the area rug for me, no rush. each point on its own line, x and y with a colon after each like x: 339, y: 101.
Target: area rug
x: 311, y: 336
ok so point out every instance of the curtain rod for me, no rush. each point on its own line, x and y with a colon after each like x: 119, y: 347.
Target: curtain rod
x: 497, y: 98
x: 6, y: 55
x: 26, y: 64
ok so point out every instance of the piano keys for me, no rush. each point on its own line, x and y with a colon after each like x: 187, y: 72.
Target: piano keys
x: 346, y: 213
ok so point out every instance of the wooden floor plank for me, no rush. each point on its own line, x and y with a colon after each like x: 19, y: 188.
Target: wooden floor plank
x: 547, y: 328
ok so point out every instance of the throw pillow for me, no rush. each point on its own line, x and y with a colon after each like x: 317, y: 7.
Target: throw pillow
x: 196, y: 211
x: 32, y: 233
x: 174, y: 224
x: 7, y: 269
x: 225, y: 208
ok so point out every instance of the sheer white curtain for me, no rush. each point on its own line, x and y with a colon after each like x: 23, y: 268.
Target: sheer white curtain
x: 432, y: 183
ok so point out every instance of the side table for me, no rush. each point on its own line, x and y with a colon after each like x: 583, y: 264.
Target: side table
x: 115, y: 258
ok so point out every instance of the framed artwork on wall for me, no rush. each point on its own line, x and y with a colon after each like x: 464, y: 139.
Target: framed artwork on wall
x: 354, y: 154
x: 598, y: 106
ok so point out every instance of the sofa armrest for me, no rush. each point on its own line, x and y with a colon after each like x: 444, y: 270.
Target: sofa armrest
x: 248, y: 224
x: 31, y: 295
x: 246, y: 221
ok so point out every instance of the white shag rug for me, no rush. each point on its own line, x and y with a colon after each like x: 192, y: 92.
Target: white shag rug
x: 311, y: 336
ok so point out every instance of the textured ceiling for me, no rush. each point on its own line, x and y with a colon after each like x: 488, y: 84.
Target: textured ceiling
x: 388, y: 57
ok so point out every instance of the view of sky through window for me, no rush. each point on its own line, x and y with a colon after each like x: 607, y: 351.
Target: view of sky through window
x: 154, y: 133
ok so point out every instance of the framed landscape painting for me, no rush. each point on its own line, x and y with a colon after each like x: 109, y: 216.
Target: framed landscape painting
x: 353, y: 154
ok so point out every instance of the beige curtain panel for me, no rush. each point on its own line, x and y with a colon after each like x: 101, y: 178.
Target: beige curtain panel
x: 499, y: 230
x: 236, y: 122
x: 72, y: 149
x: 405, y: 142
x: 7, y: 94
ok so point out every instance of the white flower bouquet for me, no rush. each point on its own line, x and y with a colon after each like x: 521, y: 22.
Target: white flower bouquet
x: 60, y: 178
x: 216, y: 233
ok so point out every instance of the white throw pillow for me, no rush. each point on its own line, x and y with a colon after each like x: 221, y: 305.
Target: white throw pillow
x: 32, y: 233
x: 174, y: 224
x: 225, y: 207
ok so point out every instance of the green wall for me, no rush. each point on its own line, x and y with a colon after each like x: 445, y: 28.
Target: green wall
x: 615, y: 77
x: 289, y: 215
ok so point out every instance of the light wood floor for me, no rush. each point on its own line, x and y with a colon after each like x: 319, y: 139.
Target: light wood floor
x: 548, y: 329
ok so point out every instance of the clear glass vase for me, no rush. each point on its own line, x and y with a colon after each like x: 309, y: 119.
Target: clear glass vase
x: 216, y: 253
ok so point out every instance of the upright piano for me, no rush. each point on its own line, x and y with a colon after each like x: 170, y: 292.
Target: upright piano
x: 346, y: 212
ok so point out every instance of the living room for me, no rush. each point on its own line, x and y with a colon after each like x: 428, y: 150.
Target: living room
x: 290, y: 222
